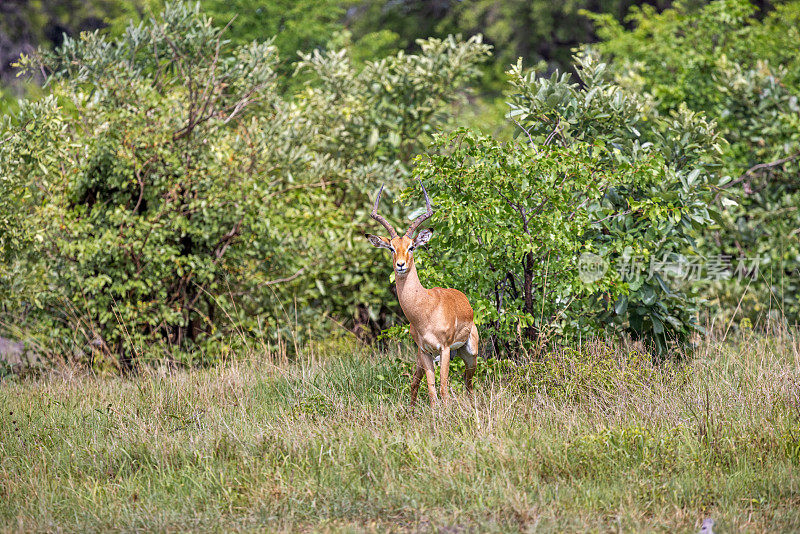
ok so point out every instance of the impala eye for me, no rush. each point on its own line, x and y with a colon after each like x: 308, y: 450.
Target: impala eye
x: 411, y: 248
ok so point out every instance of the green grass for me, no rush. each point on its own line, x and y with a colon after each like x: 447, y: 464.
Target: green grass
x: 612, y: 443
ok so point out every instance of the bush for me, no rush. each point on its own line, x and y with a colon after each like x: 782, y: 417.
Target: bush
x: 721, y: 60
x: 166, y: 190
x: 595, y: 176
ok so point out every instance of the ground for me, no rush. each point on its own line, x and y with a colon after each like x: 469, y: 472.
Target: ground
x: 590, y: 439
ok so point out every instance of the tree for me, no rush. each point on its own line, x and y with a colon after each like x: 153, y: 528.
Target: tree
x: 721, y: 60
x: 534, y: 30
x: 596, y: 177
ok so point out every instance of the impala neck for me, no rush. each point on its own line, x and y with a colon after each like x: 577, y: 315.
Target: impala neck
x: 411, y: 294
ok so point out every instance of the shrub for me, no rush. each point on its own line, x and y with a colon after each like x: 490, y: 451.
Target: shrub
x: 166, y: 190
x: 594, y: 176
x: 721, y: 60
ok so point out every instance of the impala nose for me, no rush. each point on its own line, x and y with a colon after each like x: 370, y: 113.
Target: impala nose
x: 400, y: 265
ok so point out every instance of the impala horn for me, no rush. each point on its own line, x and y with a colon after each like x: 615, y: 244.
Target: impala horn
x: 384, y: 222
x: 425, y: 216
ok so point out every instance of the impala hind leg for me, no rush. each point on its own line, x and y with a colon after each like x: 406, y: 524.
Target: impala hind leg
x: 469, y: 372
x: 469, y: 353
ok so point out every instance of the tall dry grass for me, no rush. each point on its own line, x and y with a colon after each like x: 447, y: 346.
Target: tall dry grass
x: 596, y: 439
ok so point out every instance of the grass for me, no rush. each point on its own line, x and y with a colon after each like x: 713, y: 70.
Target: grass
x: 594, y: 440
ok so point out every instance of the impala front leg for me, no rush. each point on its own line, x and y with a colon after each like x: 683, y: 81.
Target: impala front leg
x: 427, y: 364
x: 445, y: 372
x: 418, y: 374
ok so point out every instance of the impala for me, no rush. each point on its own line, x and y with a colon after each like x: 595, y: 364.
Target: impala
x: 441, y: 319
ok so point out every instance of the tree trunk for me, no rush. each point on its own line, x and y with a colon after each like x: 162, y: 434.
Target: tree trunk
x: 529, y: 332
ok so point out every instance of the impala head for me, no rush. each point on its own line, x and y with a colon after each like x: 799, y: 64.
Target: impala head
x: 403, y: 246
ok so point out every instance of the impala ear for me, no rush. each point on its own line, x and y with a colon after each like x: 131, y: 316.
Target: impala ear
x: 380, y: 242
x: 423, y: 237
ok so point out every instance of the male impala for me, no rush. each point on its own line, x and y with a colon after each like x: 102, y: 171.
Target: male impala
x: 441, y: 319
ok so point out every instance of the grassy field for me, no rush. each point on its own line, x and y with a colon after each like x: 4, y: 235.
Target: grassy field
x: 591, y: 440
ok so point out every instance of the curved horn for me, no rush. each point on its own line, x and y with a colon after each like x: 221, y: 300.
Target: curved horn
x: 424, y: 217
x: 384, y: 222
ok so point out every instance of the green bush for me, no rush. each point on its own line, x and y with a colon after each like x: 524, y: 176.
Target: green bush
x: 741, y: 72
x: 594, y: 174
x: 166, y: 194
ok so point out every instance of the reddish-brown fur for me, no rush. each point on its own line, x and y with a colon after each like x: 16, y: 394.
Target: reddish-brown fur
x: 442, y: 320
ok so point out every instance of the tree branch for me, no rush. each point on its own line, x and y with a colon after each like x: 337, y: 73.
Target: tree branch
x: 297, y: 273
x: 761, y: 166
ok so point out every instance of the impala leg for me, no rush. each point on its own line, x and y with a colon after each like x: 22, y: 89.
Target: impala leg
x: 445, y: 372
x: 471, y: 364
x: 418, y: 374
x: 427, y: 365
x: 469, y: 354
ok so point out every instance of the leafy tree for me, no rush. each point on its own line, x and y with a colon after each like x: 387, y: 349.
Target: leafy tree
x: 296, y: 25
x: 739, y: 71
x: 596, y: 172
x: 536, y: 31
x: 27, y: 24
x: 292, y: 25
x: 166, y: 194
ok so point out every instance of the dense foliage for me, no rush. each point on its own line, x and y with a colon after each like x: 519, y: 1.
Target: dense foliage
x: 535, y: 30
x: 192, y: 181
x: 165, y: 187
x: 594, y: 174
x: 744, y: 73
